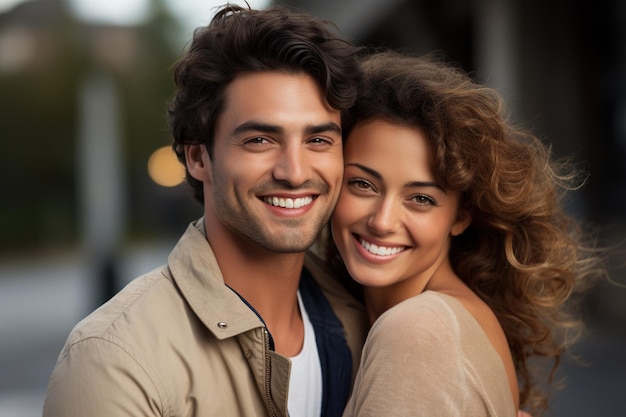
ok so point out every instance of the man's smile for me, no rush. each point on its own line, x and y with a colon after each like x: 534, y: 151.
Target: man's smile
x: 286, y: 202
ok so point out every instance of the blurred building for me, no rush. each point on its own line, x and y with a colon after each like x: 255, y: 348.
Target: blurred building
x: 46, y: 56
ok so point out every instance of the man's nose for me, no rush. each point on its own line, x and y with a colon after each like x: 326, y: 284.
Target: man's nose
x: 292, y: 166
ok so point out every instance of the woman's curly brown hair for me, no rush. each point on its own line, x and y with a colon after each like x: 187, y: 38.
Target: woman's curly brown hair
x: 523, y: 254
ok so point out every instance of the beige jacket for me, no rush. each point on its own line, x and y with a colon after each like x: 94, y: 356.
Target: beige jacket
x: 178, y: 342
x: 428, y: 356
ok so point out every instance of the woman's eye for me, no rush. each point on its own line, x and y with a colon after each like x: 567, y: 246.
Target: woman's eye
x: 360, y: 184
x: 424, y: 200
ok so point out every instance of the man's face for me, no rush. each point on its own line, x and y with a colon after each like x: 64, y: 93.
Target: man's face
x: 277, y: 165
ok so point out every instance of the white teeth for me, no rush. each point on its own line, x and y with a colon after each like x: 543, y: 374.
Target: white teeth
x: 288, y: 202
x: 380, y: 250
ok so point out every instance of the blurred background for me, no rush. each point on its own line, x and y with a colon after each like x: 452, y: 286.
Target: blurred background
x: 90, y: 198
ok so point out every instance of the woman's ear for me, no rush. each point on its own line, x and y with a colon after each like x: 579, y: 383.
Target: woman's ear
x: 463, y: 220
x: 198, y: 162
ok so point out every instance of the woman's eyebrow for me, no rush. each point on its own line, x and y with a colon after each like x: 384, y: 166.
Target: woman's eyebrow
x: 424, y: 184
x: 369, y: 170
x: 410, y: 184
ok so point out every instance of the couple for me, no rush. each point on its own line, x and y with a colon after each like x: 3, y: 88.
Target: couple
x: 446, y: 216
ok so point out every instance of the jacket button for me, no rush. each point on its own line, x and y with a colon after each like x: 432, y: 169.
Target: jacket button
x: 222, y: 325
x: 248, y: 354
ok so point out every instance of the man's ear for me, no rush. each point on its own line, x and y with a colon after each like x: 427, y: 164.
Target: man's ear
x: 463, y: 220
x: 198, y: 162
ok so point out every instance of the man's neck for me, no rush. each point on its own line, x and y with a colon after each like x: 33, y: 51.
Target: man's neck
x: 268, y: 281
x: 269, y: 284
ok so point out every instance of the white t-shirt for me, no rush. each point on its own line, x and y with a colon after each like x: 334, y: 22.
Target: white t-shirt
x: 305, y: 383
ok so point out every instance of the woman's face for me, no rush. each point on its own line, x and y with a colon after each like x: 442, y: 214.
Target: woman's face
x: 393, y: 221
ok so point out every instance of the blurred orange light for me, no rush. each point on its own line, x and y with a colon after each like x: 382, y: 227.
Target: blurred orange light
x: 164, y: 167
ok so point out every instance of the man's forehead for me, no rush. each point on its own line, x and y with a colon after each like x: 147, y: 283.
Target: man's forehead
x: 277, y: 99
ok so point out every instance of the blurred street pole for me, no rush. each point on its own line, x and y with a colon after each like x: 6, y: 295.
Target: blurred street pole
x: 496, y: 48
x: 100, y: 181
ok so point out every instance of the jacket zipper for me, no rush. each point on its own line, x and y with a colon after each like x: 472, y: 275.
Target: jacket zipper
x: 268, y: 371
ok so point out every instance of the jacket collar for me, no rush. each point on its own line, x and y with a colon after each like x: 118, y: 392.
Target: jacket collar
x: 196, y: 272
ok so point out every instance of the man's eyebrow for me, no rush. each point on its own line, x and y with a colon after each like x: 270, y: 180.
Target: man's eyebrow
x: 269, y: 128
x: 258, y: 126
x: 326, y: 127
x: 378, y: 176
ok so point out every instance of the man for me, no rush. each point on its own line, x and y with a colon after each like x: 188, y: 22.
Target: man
x: 237, y: 323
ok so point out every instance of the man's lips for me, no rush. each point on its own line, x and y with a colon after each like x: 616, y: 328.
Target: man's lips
x: 288, y: 202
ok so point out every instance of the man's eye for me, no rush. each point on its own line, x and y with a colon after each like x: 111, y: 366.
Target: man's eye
x: 319, y: 140
x: 256, y: 140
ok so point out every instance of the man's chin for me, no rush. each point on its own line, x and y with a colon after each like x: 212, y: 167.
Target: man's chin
x: 291, y: 248
x: 296, y: 243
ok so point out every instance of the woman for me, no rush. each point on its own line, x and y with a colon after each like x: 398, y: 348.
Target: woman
x: 451, y: 220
